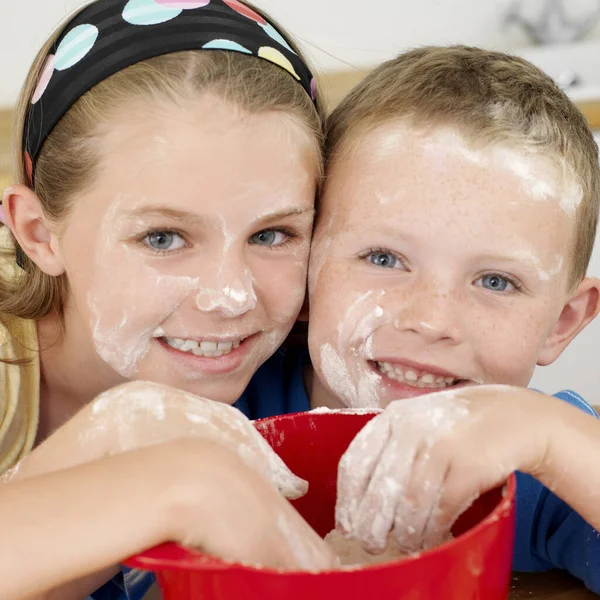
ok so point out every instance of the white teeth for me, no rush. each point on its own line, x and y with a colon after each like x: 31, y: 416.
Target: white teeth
x: 175, y: 343
x: 188, y: 346
x: 203, y: 348
x: 412, y: 378
x: 410, y: 375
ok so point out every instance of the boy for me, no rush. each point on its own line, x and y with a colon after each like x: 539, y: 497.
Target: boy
x: 452, y: 243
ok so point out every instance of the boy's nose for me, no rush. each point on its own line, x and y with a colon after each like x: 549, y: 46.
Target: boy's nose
x: 432, y: 313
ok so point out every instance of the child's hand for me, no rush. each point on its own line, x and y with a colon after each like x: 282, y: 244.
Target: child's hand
x: 140, y: 414
x: 229, y: 510
x: 193, y: 491
x: 415, y: 468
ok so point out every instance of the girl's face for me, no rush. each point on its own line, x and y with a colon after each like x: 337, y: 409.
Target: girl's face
x: 187, y: 256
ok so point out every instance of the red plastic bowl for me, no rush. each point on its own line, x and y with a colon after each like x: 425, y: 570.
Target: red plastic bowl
x: 475, y: 565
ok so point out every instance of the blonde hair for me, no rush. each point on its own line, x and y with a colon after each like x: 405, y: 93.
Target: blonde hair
x: 68, y: 159
x: 490, y: 97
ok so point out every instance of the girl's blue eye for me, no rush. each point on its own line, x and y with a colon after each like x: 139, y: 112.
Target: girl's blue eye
x: 268, y: 237
x: 164, y: 241
x: 383, y: 259
x: 496, y: 283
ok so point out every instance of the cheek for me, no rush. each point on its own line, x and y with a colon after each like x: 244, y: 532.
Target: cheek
x: 282, y: 286
x: 127, y: 305
x: 509, y: 345
x: 344, y: 311
x: 122, y: 283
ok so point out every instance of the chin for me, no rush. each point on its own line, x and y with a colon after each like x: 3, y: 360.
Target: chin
x: 227, y: 392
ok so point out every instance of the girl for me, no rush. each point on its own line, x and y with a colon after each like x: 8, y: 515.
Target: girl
x: 168, y: 156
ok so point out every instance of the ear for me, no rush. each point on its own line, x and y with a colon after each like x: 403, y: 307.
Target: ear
x: 580, y: 310
x: 24, y: 216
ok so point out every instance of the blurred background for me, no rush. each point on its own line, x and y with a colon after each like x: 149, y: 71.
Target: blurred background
x: 345, y: 38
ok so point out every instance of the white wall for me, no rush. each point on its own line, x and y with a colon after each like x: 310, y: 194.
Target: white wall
x: 339, y: 33
x: 334, y: 32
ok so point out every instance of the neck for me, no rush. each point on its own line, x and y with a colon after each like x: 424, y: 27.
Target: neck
x: 319, y: 395
x: 72, y: 373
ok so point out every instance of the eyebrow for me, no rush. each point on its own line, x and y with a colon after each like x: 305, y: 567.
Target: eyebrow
x: 168, y: 213
x: 512, y: 259
x: 194, y: 219
x: 287, y: 212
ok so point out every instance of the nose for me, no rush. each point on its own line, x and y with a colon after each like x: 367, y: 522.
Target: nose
x: 228, y: 288
x: 431, y: 310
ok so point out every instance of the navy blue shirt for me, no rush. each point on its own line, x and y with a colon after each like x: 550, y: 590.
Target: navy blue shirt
x: 549, y: 534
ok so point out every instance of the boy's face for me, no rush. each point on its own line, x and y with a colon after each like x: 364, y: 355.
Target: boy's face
x: 436, y: 265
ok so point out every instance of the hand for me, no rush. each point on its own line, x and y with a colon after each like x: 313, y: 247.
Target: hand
x: 415, y: 468
x: 139, y: 414
x: 192, y: 491
x: 230, y: 511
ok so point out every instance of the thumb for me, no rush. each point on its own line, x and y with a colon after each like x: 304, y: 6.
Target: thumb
x: 284, y: 480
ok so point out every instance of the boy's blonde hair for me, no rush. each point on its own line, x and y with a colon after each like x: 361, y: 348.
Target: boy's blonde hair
x: 68, y: 160
x: 490, y: 98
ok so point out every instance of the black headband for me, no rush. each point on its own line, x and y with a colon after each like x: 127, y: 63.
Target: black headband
x: 110, y: 35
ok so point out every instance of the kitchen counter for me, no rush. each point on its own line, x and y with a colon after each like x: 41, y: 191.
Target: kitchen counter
x: 548, y: 586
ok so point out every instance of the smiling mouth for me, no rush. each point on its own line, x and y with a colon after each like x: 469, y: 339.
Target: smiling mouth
x: 415, y: 378
x: 204, y: 348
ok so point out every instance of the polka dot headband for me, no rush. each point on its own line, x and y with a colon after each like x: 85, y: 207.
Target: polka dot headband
x: 110, y: 35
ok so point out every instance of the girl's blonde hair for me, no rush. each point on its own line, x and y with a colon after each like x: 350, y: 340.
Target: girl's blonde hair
x: 491, y: 98
x: 68, y: 159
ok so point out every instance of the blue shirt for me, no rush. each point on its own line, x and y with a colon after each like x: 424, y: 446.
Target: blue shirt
x: 549, y: 534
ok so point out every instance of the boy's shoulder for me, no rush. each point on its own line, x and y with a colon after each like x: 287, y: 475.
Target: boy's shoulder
x: 576, y: 400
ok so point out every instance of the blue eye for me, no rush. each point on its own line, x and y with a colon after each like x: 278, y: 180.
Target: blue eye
x: 164, y: 241
x: 383, y: 259
x: 496, y: 283
x: 269, y: 237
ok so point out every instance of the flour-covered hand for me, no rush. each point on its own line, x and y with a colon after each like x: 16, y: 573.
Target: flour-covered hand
x: 416, y: 467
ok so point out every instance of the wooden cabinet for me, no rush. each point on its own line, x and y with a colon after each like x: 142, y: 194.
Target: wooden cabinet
x: 334, y: 87
x: 5, y: 133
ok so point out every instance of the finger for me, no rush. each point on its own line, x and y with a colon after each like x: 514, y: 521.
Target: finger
x: 459, y: 489
x: 306, y: 549
x: 273, y: 467
x: 421, y: 496
x: 226, y: 424
x: 377, y: 510
x: 356, y: 469
x: 287, y: 483
x: 259, y: 455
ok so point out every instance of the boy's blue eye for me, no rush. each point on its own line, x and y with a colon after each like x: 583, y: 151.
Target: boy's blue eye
x: 496, y: 283
x: 383, y: 259
x: 268, y: 237
x: 164, y: 240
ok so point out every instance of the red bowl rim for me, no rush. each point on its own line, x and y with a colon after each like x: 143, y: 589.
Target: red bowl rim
x: 171, y: 556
